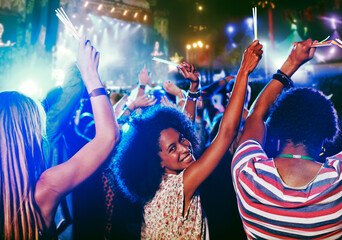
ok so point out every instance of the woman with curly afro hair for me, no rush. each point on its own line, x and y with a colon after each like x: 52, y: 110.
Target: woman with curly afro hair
x: 290, y: 196
x: 155, y: 162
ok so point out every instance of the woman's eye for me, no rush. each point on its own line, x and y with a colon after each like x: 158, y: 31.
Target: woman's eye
x: 172, y: 149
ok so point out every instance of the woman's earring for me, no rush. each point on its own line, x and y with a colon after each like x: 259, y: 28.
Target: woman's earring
x: 278, y: 145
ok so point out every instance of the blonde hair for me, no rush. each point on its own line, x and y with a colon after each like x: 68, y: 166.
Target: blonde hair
x: 22, y: 127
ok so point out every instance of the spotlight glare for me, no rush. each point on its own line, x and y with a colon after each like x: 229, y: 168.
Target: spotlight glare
x: 29, y: 88
x: 188, y: 46
x: 145, y: 17
x: 86, y: 4
x: 200, y: 44
x: 125, y: 13
x: 200, y: 8
x: 194, y: 45
x: 73, y: 16
x: 99, y: 7
x: 333, y: 23
x: 112, y: 10
x: 207, y: 46
x: 135, y: 14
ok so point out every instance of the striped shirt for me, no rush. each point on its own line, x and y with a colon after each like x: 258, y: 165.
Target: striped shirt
x: 270, y: 209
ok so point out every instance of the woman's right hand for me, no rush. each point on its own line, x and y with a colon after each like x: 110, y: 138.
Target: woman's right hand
x: 251, y: 57
x: 88, y: 62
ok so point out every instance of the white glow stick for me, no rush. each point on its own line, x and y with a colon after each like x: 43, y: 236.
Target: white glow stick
x: 66, y: 21
x: 255, y: 23
x: 164, y: 61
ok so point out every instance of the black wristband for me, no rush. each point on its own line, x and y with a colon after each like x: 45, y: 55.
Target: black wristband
x: 98, y: 92
x: 284, y: 79
x: 194, y: 94
x: 142, y: 86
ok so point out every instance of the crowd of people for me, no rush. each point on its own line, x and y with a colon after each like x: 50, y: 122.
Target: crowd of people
x: 172, y: 164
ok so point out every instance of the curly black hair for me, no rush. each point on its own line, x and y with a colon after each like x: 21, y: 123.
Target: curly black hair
x: 136, y: 165
x: 303, y: 115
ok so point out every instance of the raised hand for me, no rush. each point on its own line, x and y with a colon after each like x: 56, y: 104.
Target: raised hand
x: 144, y: 77
x: 302, y: 52
x: 88, y: 62
x: 171, y: 88
x: 143, y: 101
x: 188, y: 71
x: 251, y: 57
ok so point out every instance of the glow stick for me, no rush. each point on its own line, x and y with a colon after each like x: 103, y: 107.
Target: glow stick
x: 325, y: 39
x: 164, y: 61
x: 322, y: 44
x: 339, y: 40
x: 255, y: 23
x: 64, y: 18
x: 337, y: 44
x: 66, y: 21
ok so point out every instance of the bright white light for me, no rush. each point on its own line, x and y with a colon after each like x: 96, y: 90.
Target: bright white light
x: 200, y: 8
x: 145, y: 17
x: 112, y: 10
x: 59, y: 75
x: 319, y: 57
x: 73, y: 16
x: 135, y: 15
x: 99, y: 7
x: 333, y: 23
x: 125, y: 13
x: 207, y: 46
x: 86, y: 4
x: 332, y: 50
x: 249, y: 22
x: 29, y: 88
x: 230, y: 29
x: 194, y: 45
x: 234, y: 45
x: 200, y: 44
x: 188, y: 46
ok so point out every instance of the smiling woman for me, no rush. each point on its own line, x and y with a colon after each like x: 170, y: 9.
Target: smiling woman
x: 155, y: 163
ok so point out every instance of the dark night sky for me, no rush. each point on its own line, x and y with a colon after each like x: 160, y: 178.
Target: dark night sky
x: 218, y: 13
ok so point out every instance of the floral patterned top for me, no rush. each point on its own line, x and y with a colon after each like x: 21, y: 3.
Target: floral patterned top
x: 163, y: 215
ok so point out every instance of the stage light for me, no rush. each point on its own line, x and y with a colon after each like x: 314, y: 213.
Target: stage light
x: 207, y: 46
x: 125, y: 13
x: 332, y: 50
x: 135, y: 14
x: 234, y: 45
x: 145, y: 17
x: 249, y: 22
x: 200, y: 8
x: 73, y: 16
x: 230, y: 30
x: 188, y: 46
x: 112, y: 10
x: 86, y: 4
x: 29, y: 88
x: 200, y: 44
x: 333, y: 23
x: 99, y: 7
x: 194, y: 45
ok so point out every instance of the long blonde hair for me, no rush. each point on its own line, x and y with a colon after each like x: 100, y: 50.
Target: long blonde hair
x: 22, y: 127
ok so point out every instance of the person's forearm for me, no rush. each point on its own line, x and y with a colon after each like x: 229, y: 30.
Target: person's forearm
x: 233, y: 113
x: 190, y: 106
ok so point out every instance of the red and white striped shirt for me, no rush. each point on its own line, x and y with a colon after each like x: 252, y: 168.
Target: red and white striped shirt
x: 270, y: 209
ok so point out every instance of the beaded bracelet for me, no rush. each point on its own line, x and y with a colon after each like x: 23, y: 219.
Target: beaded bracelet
x: 98, y: 92
x: 284, y: 79
x: 192, y: 99
x: 194, y: 94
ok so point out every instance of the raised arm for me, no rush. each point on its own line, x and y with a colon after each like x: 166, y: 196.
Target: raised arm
x: 189, y: 72
x: 254, y: 127
x: 201, y: 169
x: 59, y: 180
